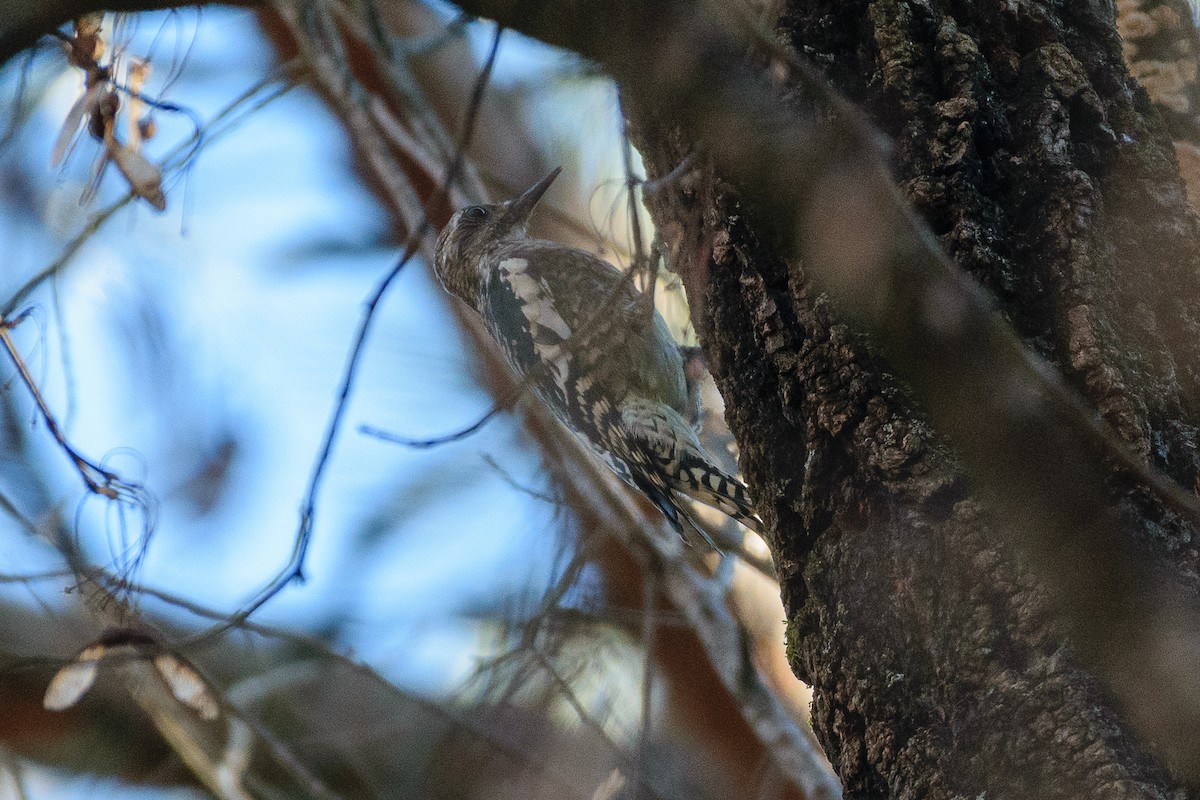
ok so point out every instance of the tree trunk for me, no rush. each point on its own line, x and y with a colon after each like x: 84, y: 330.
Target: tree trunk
x: 937, y: 667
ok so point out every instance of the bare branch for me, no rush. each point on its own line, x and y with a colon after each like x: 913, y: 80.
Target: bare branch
x: 436, y: 441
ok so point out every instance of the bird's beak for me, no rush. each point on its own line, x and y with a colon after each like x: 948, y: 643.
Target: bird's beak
x: 518, y: 210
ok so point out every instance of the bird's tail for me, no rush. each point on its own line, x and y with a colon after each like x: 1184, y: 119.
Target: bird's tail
x: 674, y: 459
x: 711, y: 486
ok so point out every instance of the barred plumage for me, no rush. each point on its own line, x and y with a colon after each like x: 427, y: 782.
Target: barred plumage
x: 570, y: 325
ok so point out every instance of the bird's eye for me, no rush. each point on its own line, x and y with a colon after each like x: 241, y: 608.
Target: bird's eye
x: 476, y: 213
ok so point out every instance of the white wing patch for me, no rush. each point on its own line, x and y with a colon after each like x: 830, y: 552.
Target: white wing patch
x: 537, y: 304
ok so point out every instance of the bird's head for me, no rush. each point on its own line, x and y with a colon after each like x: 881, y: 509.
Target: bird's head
x: 473, y: 230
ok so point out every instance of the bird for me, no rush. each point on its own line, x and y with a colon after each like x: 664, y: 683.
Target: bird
x: 575, y: 330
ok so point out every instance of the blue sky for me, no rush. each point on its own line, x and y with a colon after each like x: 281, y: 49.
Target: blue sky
x: 231, y: 316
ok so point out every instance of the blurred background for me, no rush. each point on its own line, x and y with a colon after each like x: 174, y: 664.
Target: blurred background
x: 475, y: 619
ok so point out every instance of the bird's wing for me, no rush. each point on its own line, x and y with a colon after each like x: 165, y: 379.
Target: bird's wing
x: 567, y: 370
x: 625, y: 353
x: 519, y: 309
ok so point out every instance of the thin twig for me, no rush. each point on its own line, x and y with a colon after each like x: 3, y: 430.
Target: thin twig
x: 639, y: 247
x: 568, y: 693
x: 64, y: 352
x: 514, y: 483
x: 17, y: 104
x: 10, y: 508
x: 97, y: 479
x: 680, y: 169
x: 635, y: 218
x: 13, y: 767
x: 68, y: 252
x: 294, y: 569
x: 428, y: 143
x: 436, y: 441
x: 37, y: 577
x: 649, y: 621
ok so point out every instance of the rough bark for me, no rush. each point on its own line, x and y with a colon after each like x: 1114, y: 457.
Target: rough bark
x: 937, y: 667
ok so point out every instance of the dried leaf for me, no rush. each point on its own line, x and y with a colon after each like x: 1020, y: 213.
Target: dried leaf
x: 83, y: 108
x: 139, y: 71
x: 187, y: 686
x: 145, y: 178
x: 87, y: 46
x: 135, y: 109
x: 71, y: 683
x: 611, y: 786
x: 93, y: 184
x: 147, y: 127
x: 89, y: 24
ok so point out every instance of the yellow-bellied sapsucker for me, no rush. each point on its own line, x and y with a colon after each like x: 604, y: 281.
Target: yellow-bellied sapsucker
x: 576, y: 329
